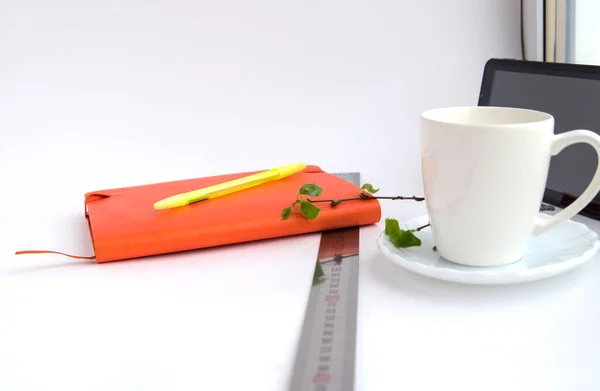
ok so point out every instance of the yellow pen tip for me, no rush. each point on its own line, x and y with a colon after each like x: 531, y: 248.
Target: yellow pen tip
x: 169, y: 203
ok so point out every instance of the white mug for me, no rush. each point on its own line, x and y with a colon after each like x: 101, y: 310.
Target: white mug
x: 484, y: 173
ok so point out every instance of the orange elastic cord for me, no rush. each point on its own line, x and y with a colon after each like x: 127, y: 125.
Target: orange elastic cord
x: 52, y: 252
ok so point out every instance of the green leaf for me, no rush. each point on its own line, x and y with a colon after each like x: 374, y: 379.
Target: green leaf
x: 319, y: 273
x: 286, y: 213
x: 399, y: 237
x: 309, y: 210
x: 404, y: 239
x: 369, y: 187
x: 311, y: 189
x: 391, y: 226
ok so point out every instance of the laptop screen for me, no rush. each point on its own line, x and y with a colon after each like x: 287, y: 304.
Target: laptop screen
x: 575, y: 104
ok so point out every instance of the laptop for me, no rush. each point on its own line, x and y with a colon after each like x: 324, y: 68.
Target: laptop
x: 570, y: 93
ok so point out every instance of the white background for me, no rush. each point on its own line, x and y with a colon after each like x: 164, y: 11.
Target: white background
x: 587, y: 32
x: 104, y: 94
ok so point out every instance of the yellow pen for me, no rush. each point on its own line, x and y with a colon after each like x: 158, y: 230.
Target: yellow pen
x: 229, y: 187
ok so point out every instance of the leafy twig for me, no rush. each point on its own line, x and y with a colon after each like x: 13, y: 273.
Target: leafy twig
x: 307, y: 208
x: 311, y: 211
x: 364, y: 196
x: 401, y: 238
x: 420, y: 228
x: 398, y: 237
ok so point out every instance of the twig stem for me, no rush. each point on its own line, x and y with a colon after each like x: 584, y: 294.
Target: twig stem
x: 420, y: 228
x: 368, y: 197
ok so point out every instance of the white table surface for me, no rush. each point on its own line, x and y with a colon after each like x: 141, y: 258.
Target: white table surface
x: 229, y: 318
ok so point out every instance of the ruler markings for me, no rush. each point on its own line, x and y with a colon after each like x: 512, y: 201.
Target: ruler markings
x: 326, y: 351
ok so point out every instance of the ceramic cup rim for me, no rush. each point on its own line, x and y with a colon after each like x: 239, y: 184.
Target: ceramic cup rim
x: 511, y: 116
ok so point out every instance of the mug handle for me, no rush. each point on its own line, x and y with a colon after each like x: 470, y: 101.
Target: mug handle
x: 560, y: 142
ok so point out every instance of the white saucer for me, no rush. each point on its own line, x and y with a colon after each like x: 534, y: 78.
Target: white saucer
x: 563, y: 248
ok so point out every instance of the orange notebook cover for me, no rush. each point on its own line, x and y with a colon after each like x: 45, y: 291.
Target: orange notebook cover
x: 123, y: 223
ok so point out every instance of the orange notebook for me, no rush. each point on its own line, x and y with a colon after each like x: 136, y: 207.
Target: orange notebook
x: 123, y: 223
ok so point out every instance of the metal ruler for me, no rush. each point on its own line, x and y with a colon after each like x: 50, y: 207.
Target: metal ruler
x: 326, y: 350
